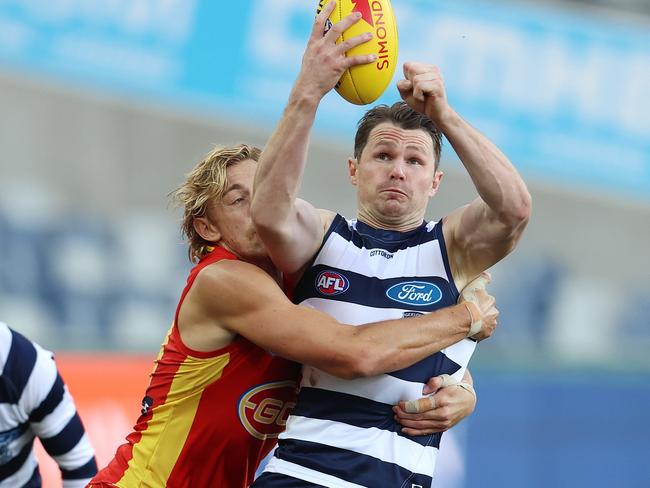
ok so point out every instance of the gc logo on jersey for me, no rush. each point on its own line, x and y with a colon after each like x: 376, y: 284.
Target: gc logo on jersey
x: 331, y: 283
x: 417, y: 293
x: 264, y: 409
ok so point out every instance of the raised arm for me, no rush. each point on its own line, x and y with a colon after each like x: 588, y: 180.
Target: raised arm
x: 483, y: 232
x: 243, y: 299
x: 292, y: 229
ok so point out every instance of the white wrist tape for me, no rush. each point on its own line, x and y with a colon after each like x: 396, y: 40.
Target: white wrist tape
x: 468, y: 297
x: 448, y: 380
x: 477, y: 319
x: 466, y: 386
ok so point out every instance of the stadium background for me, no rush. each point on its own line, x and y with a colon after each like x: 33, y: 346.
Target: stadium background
x: 104, y: 106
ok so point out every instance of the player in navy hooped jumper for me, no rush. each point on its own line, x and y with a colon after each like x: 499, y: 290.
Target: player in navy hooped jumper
x: 387, y: 263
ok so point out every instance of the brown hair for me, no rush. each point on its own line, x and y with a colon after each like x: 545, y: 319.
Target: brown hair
x: 402, y: 116
x: 206, y: 182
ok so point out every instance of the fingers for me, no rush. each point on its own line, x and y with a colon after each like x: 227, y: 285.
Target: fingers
x: 420, y: 405
x: 319, y: 25
x: 437, y: 382
x: 433, y: 385
x: 341, y: 26
x: 426, y: 79
x: 423, y: 423
x: 353, y: 42
x: 405, y: 87
x: 424, y: 84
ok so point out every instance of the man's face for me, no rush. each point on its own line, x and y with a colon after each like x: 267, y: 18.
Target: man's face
x: 230, y: 218
x: 395, y: 176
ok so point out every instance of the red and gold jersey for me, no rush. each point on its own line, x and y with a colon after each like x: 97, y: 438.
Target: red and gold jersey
x: 208, y: 418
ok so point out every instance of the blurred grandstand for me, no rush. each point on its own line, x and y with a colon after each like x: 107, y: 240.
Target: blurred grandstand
x: 105, y: 107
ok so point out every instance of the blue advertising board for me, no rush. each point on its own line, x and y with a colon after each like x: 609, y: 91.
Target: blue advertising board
x: 565, y: 94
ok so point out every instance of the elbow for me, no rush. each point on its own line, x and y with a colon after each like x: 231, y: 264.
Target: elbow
x: 266, y: 223
x: 524, y: 207
x: 361, y: 365
x: 259, y: 214
x: 518, y: 213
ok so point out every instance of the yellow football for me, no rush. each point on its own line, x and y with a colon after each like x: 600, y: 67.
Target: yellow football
x: 365, y: 83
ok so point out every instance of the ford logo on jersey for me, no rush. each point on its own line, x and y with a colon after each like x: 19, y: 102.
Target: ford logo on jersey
x: 331, y: 283
x: 418, y: 293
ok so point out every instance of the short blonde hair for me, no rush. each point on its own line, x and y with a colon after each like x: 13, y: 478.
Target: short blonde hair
x: 206, y: 182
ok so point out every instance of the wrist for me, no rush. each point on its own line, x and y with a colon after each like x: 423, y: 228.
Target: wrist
x: 467, y: 387
x: 306, y: 96
x: 445, y: 120
x: 476, y: 318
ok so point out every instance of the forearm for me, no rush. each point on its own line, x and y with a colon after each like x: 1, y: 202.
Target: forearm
x: 282, y: 163
x: 347, y: 351
x: 497, y: 181
x: 397, y: 344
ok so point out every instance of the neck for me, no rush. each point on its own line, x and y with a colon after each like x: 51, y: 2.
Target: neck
x: 267, y: 265
x: 397, y: 223
x: 263, y: 263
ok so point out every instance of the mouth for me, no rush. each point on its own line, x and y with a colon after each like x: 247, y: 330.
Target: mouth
x: 394, y: 192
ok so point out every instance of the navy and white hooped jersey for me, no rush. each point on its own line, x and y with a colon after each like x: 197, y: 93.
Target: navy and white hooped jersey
x: 34, y: 402
x: 342, y: 432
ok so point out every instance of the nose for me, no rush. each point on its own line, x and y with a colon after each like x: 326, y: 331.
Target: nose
x: 397, y: 171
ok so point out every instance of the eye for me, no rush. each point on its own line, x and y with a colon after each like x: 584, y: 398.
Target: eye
x: 383, y: 156
x: 414, y: 161
x: 237, y: 201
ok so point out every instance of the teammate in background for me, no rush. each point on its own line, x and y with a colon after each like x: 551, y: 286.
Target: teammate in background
x: 391, y: 262
x: 35, y: 402
x: 216, y: 401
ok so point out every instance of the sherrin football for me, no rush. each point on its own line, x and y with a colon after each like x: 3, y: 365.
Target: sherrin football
x: 365, y: 83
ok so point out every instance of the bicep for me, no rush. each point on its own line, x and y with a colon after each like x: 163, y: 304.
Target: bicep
x: 476, y: 239
x: 254, y: 306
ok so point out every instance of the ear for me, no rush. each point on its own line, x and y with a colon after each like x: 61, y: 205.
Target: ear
x: 206, y: 229
x: 352, y: 170
x: 435, y: 184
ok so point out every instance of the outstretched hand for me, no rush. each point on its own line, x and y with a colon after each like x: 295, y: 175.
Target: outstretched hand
x: 325, y: 60
x: 423, y: 89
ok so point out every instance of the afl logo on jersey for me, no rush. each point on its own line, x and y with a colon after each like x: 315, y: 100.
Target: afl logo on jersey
x: 264, y: 409
x: 331, y: 283
x: 418, y: 293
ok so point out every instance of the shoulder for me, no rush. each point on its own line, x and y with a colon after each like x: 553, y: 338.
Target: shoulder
x: 326, y: 217
x: 28, y: 371
x: 224, y: 273
x: 230, y: 283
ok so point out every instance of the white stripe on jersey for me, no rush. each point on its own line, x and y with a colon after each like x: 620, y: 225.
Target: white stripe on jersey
x: 5, y: 344
x: 277, y: 465
x: 460, y: 353
x: 382, y: 388
x: 353, y: 313
x: 79, y: 455
x: 380, y: 444
x: 38, y: 385
x: 422, y: 260
x: 22, y: 476
x: 11, y: 416
x: 57, y: 420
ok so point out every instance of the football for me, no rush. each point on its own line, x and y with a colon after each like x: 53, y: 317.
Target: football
x: 365, y: 83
